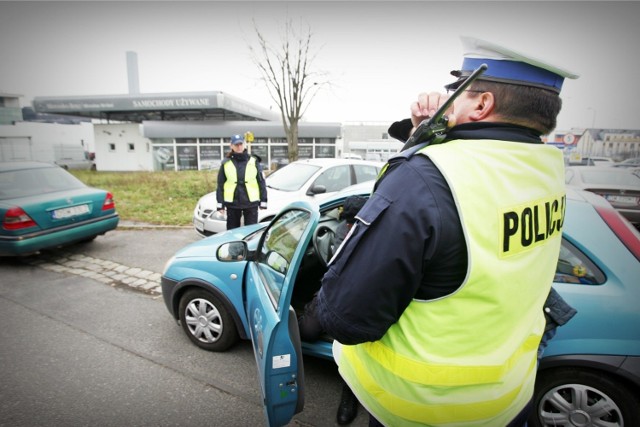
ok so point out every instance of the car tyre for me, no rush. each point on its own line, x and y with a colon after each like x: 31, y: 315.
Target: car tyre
x: 577, y: 397
x: 206, y: 321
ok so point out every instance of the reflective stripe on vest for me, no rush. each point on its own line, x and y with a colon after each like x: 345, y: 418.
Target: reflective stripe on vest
x: 250, y: 180
x: 469, y: 358
x: 412, y: 405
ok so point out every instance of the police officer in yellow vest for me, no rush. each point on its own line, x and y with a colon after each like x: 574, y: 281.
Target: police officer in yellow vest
x: 435, y: 299
x: 241, y: 187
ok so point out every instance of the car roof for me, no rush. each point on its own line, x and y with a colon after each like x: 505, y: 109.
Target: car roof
x: 331, y: 161
x: 598, y: 168
x: 13, y: 166
x: 360, y: 188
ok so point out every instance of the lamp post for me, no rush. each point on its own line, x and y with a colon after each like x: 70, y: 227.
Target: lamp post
x: 593, y: 125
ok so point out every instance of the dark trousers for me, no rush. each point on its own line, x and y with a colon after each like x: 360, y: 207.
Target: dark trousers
x: 235, y: 215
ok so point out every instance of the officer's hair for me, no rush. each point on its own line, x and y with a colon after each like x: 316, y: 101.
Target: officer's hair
x: 528, y: 106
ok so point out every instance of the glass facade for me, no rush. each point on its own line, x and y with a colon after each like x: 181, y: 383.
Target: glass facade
x: 207, y: 153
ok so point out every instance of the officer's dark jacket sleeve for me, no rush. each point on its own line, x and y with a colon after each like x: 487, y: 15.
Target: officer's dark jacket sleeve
x: 261, y: 183
x: 222, y: 178
x: 557, y: 311
x: 377, y: 271
x: 401, y: 130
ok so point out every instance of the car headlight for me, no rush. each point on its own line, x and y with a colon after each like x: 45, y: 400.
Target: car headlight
x: 219, y: 216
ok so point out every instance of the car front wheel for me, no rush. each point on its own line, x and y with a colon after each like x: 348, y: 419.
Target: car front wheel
x: 206, y: 321
x: 575, y: 397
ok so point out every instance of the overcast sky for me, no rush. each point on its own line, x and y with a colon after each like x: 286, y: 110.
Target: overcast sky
x: 379, y: 55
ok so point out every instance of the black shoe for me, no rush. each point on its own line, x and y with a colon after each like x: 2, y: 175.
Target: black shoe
x: 348, y: 408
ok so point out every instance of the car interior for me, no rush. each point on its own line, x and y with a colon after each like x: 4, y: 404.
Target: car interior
x: 317, y: 256
x: 326, y: 239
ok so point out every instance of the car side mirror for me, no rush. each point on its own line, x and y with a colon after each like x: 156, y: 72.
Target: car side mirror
x: 316, y: 189
x: 232, y: 251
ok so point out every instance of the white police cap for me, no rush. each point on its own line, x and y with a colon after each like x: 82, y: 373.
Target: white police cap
x: 508, y: 66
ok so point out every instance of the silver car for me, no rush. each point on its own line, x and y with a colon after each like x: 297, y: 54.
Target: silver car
x: 310, y: 179
x: 620, y: 186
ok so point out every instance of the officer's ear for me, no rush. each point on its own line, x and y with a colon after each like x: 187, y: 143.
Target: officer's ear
x: 485, y: 104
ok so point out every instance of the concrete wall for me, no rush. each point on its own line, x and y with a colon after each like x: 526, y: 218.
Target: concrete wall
x: 121, y: 147
x: 46, y: 142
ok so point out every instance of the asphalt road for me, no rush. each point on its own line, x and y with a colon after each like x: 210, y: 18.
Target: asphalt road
x: 78, y: 347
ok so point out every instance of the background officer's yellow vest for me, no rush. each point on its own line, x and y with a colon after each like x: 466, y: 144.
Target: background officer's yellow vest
x: 250, y: 180
x: 469, y: 359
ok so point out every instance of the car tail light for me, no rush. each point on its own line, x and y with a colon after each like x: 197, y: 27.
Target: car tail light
x: 109, y: 203
x: 16, y: 218
x: 622, y: 228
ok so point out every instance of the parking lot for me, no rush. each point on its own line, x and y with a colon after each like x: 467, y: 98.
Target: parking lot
x: 87, y: 340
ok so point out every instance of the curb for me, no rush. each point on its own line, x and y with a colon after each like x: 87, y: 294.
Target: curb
x: 125, y: 225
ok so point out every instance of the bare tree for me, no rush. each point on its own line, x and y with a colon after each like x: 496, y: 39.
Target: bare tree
x: 287, y: 71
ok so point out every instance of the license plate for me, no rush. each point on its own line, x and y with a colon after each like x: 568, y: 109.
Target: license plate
x: 623, y: 199
x: 69, y: 212
x: 198, y: 224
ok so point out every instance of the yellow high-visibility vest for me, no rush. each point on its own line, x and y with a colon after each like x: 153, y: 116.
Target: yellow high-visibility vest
x: 469, y: 358
x: 250, y: 181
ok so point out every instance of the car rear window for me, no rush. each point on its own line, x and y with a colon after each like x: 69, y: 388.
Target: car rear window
x: 610, y: 177
x: 30, y: 182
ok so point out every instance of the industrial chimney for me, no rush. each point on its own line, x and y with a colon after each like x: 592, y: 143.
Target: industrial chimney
x: 132, y: 73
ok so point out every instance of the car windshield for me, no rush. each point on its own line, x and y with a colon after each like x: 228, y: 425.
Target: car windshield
x: 29, y: 182
x: 611, y: 177
x: 291, y: 177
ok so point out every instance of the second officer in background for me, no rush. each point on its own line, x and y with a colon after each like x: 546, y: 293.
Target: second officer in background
x: 241, y: 187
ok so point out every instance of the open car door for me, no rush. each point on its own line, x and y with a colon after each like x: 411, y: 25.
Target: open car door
x: 272, y: 321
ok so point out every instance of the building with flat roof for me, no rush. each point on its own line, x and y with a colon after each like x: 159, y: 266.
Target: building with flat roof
x: 185, y: 131
x: 216, y: 106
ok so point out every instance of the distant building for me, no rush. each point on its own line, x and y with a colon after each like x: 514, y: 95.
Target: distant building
x: 25, y: 135
x: 617, y: 144
x: 201, y: 145
x: 369, y: 140
x: 185, y: 131
x: 10, y: 111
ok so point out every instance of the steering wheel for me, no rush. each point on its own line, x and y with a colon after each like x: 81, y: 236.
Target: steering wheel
x: 323, y: 239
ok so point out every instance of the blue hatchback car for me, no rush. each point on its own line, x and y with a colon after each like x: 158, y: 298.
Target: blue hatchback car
x: 250, y: 283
